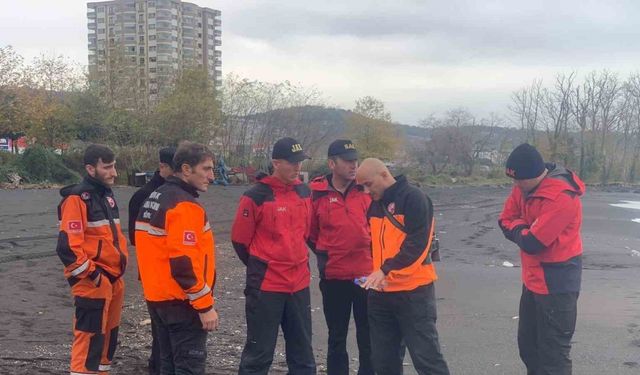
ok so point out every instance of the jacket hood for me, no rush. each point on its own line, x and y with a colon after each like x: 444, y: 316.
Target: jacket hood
x: 320, y: 183
x: 88, y: 184
x: 275, y: 183
x: 559, y: 179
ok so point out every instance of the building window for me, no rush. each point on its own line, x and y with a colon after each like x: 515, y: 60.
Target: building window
x: 142, y: 61
x: 152, y: 59
x: 152, y: 37
x: 141, y: 39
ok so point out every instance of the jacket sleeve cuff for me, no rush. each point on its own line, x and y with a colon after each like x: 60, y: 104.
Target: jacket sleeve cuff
x: 203, y: 304
x: 385, y: 268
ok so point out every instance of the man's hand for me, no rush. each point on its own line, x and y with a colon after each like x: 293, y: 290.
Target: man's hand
x: 209, y: 320
x: 375, y: 281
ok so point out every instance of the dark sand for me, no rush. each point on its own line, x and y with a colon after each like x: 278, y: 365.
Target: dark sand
x: 477, y: 296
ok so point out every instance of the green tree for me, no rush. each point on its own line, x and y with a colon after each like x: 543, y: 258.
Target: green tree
x: 370, y: 127
x: 189, y: 111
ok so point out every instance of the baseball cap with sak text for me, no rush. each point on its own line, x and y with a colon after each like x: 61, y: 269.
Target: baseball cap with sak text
x: 289, y: 149
x: 343, y: 148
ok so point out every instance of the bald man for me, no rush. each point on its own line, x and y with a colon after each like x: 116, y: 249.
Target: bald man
x: 401, y: 302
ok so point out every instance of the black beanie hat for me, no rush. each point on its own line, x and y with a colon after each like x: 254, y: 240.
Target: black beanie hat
x: 166, y: 155
x: 525, y: 162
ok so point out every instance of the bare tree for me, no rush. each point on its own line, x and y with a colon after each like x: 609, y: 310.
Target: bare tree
x: 526, y: 106
x: 557, y: 111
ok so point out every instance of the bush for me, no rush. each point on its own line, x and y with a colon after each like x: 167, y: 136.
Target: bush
x: 35, y: 162
x: 40, y: 164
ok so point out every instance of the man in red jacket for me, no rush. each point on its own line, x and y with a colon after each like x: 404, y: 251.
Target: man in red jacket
x: 543, y: 215
x: 269, y: 235
x: 341, y: 240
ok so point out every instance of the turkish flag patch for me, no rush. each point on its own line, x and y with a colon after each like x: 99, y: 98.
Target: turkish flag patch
x: 74, y: 226
x: 189, y: 238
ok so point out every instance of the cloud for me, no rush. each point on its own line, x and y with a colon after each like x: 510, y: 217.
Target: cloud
x: 419, y: 56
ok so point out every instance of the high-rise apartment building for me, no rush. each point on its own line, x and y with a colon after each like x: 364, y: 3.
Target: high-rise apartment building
x: 150, y: 40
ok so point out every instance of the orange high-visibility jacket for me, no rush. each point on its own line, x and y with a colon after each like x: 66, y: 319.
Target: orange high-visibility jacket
x: 90, y: 241
x: 403, y: 254
x: 175, y: 247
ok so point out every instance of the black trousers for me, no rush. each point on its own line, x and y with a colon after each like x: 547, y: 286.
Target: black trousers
x: 154, y: 357
x: 265, y: 312
x: 545, y: 329
x: 181, y: 339
x: 338, y: 297
x: 408, y: 316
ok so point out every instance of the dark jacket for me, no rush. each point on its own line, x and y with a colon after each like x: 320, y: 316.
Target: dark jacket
x: 339, y: 234
x: 545, y: 224
x: 403, y: 254
x: 136, y: 202
x: 90, y: 241
x: 269, y: 235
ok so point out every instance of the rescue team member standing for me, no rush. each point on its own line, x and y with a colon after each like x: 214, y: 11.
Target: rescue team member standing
x: 165, y: 169
x: 402, y: 303
x: 175, y: 248
x: 94, y: 253
x: 543, y: 215
x: 341, y: 241
x: 269, y: 235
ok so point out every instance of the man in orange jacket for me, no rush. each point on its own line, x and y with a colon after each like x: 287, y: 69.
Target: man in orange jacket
x: 165, y: 169
x: 176, y: 257
x: 402, y: 303
x: 94, y: 252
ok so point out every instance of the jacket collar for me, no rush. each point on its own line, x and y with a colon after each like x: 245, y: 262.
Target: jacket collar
x: 391, y: 192
x: 183, y: 185
x: 97, y: 185
x: 276, y: 184
x: 558, y: 179
x: 157, y: 180
x: 325, y: 183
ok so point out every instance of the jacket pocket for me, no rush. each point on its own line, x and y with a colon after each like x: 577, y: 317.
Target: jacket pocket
x: 89, y: 314
x: 256, y: 270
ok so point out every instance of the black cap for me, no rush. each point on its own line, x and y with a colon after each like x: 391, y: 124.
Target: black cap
x: 343, y: 148
x: 166, y: 155
x: 525, y: 162
x: 289, y: 149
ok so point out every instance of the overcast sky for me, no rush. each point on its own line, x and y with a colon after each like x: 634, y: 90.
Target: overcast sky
x: 419, y: 57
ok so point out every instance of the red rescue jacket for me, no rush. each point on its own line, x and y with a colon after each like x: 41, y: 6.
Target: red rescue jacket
x: 545, y: 224
x: 269, y: 235
x: 340, y: 235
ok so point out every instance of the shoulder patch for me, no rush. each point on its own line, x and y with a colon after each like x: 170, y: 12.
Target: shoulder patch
x: 189, y: 238
x: 112, y: 202
x: 74, y: 226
